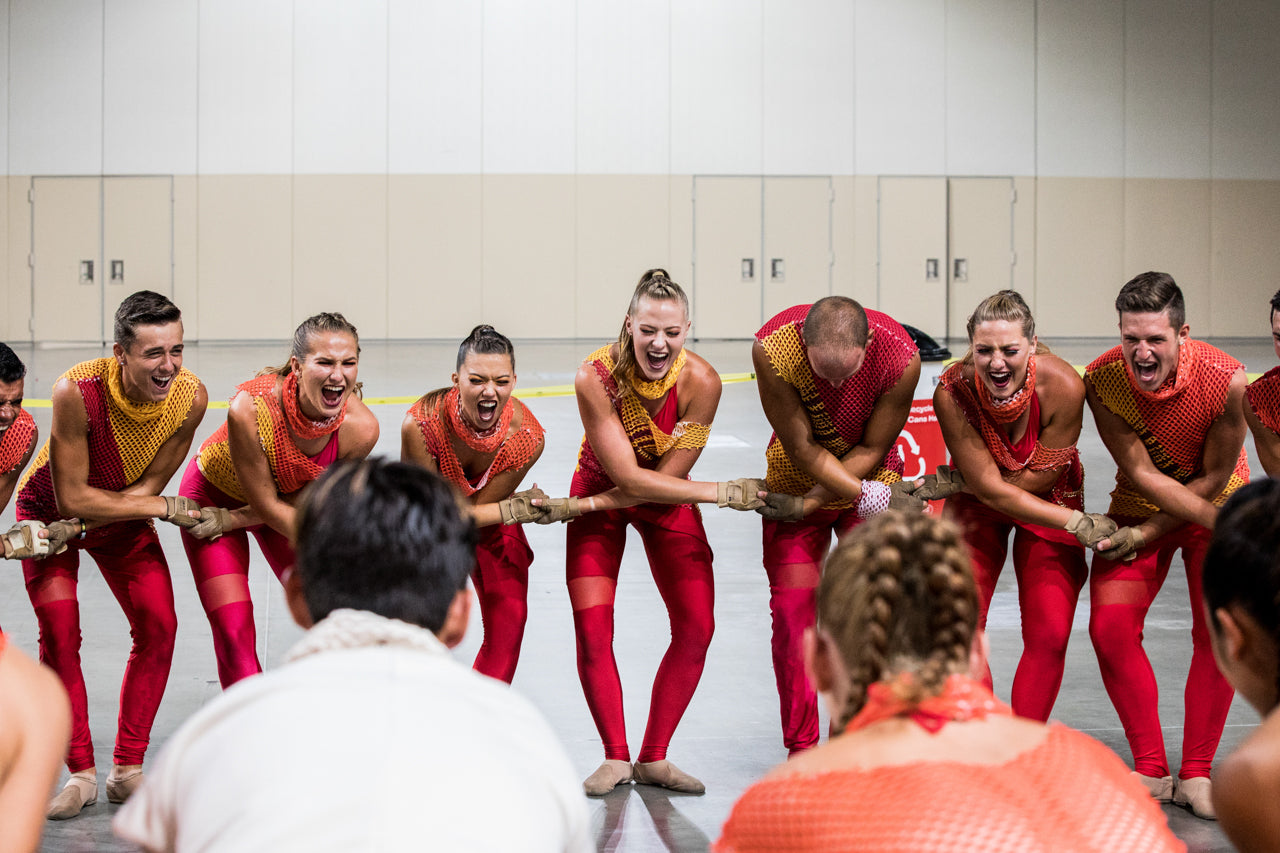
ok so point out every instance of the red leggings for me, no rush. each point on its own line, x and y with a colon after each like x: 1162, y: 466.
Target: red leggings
x: 1121, y: 594
x: 1051, y: 570
x: 501, y: 579
x: 132, y: 563
x: 221, y: 570
x: 793, y: 556
x: 680, y: 561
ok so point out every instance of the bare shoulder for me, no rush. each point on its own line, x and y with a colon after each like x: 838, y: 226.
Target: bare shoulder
x: 1057, y: 381
x: 1252, y: 772
x: 360, y: 422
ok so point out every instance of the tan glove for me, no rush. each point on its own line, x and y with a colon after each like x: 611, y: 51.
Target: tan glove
x: 942, y: 484
x: 1089, y: 528
x: 21, y: 542
x: 214, y: 521
x: 175, y: 510
x: 60, y: 532
x: 902, y: 497
x: 1125, y: 544
x: 559, y: 509
x: 782, y: 507
x: 519, y: 508
x: 740, y: 494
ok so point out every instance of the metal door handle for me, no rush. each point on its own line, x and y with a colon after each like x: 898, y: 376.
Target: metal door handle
x: 86, y: 272
x: 117, y: 272
x: 748, y: 269
x: 961, y: 269
x: 777, y: 269
x: 931, y: 269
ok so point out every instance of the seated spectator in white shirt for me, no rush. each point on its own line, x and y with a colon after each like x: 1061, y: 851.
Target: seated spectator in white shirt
x: 371, y: 737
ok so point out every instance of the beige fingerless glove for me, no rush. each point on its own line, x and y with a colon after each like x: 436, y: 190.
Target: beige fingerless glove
x: 175, y: 510
x: 559, y: 509
x: 740, y: 494
x: 1089, y: 528
x: 519, y: 508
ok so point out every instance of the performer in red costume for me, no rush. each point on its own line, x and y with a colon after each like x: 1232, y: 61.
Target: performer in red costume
x: 484, y: 442
x: 1262, y: 412
x: 836, y: 382
x: 283, y: 428
x: 1010, y: 413
x: 18, y: 436
x: 121, y: 427
x: 1170, y: 411
x: 646, y: 404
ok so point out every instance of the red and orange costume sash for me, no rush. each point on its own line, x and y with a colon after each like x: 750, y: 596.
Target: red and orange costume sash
x: 436, y: 421
x: 123, y: 435
x: 1264, y: 398
x: 1171, y: 421
x: 838, y: 416
x: 16, y: 441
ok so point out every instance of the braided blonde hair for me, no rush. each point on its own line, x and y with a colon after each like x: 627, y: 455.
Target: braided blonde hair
x: 897, y: 595
x: 655, y: 284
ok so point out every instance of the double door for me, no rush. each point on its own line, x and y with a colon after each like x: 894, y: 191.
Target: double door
x: 95, y: 240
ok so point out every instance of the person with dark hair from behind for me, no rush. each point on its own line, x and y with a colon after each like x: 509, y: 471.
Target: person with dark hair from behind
x: 1242, y: 598
x: 18, y: 436
x: 1262, y: 404
x: 926, y: 758
x: 423, y: 750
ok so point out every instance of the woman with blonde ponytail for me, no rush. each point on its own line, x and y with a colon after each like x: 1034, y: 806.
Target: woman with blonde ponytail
x: 924, y: 757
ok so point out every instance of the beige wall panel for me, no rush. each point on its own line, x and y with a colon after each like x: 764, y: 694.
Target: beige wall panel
x: 435, y: 255
x: 797, y: 234
x: 528, y: 255
x: 681, y: 229
x: 1079, y: 255
x: 340, y: 249
x: 843, y: 216
x: 186, y: 254
x: 1024, y: 239
x: 245, y: 257
x: 137, y: 232
x: 67, y: 237
x: 7, y: 295
x: 727, y: 223
x: 866, y: 233
x: 623, y: 230
x: 1166, y: 228
x: 1246, y: 255
x: 18, y: 274
x: 912, y: 253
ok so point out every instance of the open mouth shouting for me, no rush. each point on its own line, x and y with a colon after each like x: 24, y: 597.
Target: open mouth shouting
x: 1146, y: 370
x: 331, y: 395
x: 160, y: 383
x: 1001, y: 382
x: 486, y: 413
x: 657, y: 363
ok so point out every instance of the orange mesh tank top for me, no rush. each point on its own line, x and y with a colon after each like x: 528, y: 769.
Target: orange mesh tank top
x: 838, y: 415
x: 290, y: 467
x: 123, y: 435
x: 513, y: 454
x: 651, y: 437
x: 16, y: 441
x: 1172, y: 422
x: 1067, y: 490
x: 1264, y: 398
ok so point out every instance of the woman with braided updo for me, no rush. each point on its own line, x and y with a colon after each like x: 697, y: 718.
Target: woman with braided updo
x: 926, y: 759
x: 484, y: 442
x: 283, y: 428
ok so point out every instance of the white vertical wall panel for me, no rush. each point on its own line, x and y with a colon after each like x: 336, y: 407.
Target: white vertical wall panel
x: 246, y: 87
x: 55, y: 87
x: 808, y: 87
x: 149, y: 87
x: 1167, y: 82
x: 4, y: 88
x: 1080, y: 89
x: 529, y: 86
x: 716, y: 87
x: 1246, y: 89
x: 900, y: 54
x: 991, y: 87
x: 340, y: 87
x: 624, y: 87
x: 435, y: 119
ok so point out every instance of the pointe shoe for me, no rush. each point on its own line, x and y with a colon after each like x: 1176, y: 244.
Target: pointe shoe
x: 666, y: 775
x: 81, y: 790
x: 1195, y: 794
x: 609, y: 775
x: 121, y: 784
x: 1160, y: 787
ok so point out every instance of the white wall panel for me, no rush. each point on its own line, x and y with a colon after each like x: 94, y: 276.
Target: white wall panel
x: 435, y: 93
x: 991, y: 90
x: 808, y: 87
x: 55, y: 87
x: 149, y: 87
x: 900, y: 51
x: 529, y: 86
x: 1080, y: 89
x: 1246, y: 89
x: 340, y: 87
x: 624, y: 88
x: 4, y: 87
x: 246, y: 87
x: 1167, y: 88
x: 716, y: 87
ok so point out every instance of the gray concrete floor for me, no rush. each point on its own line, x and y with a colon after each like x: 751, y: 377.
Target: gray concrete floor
x: 730, y: 735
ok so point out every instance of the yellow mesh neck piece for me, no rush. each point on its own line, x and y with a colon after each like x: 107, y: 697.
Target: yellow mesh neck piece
x: 141, y: 412
x: 647, y: 438
x: 654, y: 390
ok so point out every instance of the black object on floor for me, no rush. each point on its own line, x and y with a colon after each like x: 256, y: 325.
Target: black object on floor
x: 930, y: 350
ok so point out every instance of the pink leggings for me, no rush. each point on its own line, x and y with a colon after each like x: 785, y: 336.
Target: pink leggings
x: 1120, y: 595
x: 1051, y: 570
x: 221, y: 570
x: 501, y: 579
x: 132, y: 563
x: 793, y: 556
x: 680, y: 561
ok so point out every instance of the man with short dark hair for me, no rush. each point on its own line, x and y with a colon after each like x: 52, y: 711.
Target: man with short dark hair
x: 1170, y: 411
x: 1262, y: 409
x: 419, y: 749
